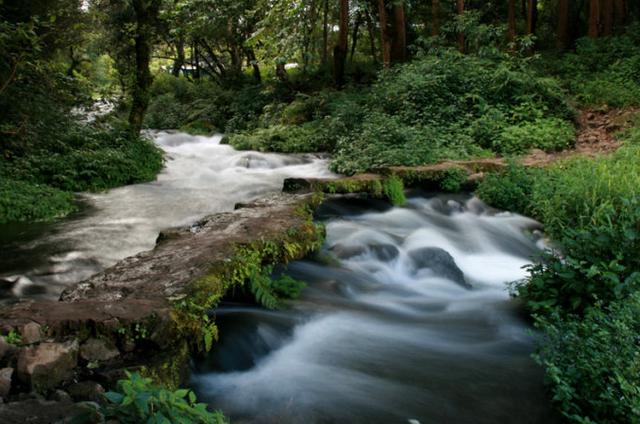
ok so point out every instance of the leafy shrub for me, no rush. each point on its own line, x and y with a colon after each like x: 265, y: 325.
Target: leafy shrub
x: 281, y: 138
x: 549, y: 134
x: 22, y: 201
x: 592, y: 363
x: 510, y: 190
x: 138, y: 400
x: 603, y: 71
x: 591, y: 209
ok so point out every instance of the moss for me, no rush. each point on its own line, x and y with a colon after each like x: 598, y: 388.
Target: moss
x: 169, y: 370
x: 251, y: 264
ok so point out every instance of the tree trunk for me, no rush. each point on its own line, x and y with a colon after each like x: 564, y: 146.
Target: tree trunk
x: 461, y: 41
x: 196, y: 61
x: 281, y: 72
x: 399, y: 48
x: 511, y: 20
x: 372, y: 37
x: 594, y: 18
x: 325, y: 33
x: 607, y: 17
x: 354, y: 38
x: 340, y: 51
x: 384, y: 35
x: 146, y: 13
x: 435, y: 17
x: 564, y: 38
x: 620, y: 13
x: 532, y: 16
x: 179, y: 62
x: 251, y: 58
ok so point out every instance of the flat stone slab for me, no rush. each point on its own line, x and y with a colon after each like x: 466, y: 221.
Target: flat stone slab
x: 148, y: 282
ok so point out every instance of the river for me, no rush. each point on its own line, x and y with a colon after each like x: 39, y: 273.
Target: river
x: 406, y: 317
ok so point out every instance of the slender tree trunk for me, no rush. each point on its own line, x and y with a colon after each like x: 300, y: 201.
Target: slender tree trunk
x: 196, y: 61
x: 179, y: 62
x: 354, y: 38
x: 251, y: 58
x: 523, y: 9
x: 461, y: 41
x: 620, y: 13
x: 372, y: 37
x: 511, y: 20
x: 607, y: 17
x: 385, y: 40
x: 281, y: 72
x: 532, y: 17
x: 325, y: 34
x: 399, y: 48
x: 435, y: 17
x: 146, y: 13
x: 308, y: 36
x: 594, y: 18
x: 564, y: 38
x: 341, y: 49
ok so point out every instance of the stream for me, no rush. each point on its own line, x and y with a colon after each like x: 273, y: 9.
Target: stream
x: 405, y: 319
x: 201, y: 177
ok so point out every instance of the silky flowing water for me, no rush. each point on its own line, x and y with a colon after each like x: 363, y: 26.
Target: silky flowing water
x: 201, y: 177
x: 405, y: 318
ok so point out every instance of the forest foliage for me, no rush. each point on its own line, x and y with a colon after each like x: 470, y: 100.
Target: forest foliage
x: 374, y: 83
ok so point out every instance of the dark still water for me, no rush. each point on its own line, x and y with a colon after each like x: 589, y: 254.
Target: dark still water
x: 406, y: 319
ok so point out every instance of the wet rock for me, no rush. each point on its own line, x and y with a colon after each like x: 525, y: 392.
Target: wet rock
x: 5, y: 381
x: 37, y: 411
x: 6, y: 349
x: 30, y: 333
x: 384, y: 252
x: 440, y: 262
x: 86, y: 391
x: 98, y: 350
x: 347, y: 252
x: 47, y: 365
x: 60, y: 396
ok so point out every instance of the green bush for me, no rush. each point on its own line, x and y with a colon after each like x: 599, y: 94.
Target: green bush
x: 308, y: 137
x: 592, y: 363
x: 23, y: 201
x: 604, y: 71
x: 510, y: 190
x: 549, y: 134
x: 85, y: 158
x: 138, y: 400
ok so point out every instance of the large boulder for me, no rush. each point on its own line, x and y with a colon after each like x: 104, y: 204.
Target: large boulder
x: 98, y: 350
x: 5, y: 381
x: 30, y: 333
x: 47, y: 365
x: 440, y: 262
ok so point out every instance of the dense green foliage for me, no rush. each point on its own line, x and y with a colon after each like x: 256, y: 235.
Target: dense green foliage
x: 20, y: 200
x: 602, y: 72
x: 443, y: 105
x: 37, y: 182
x: 584, y: 294
x: 592, y: 363
x: 137, y: 400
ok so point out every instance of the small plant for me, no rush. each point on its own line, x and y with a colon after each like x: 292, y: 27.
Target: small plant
x: 13, y: 338
x: 453, y: 180
x: 394, y: 191
x: 137, y: 400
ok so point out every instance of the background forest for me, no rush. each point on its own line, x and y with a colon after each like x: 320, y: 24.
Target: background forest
x: 374, y: 83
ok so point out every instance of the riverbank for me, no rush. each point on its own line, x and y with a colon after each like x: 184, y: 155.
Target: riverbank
x: 149, y: 311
